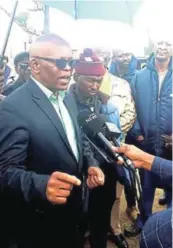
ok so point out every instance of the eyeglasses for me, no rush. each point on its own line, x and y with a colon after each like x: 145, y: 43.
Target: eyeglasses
x: 60, y: 63
x: 24, y: 66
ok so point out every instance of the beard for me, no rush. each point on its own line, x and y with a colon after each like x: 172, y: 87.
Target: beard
x: 123, y: 68
x: 162, y: 60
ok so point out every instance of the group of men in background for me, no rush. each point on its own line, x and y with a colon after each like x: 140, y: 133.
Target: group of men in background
x: 40, y: 135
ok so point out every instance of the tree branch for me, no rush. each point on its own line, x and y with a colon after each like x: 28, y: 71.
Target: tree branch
x: 38, y: 7
x: 20, y: 24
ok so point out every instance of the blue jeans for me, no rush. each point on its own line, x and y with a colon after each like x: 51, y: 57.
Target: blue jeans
x: 148, y: 183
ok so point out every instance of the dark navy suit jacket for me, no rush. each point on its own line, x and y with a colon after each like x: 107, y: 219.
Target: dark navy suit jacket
x: 33, y: 145
x: 157, y: 231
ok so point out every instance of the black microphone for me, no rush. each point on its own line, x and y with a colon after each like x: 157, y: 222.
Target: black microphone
x: 113, y: 133
x: 92, y: 125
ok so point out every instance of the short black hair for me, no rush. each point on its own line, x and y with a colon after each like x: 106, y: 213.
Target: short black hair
x: 20, y: 57
x: 53, y: 38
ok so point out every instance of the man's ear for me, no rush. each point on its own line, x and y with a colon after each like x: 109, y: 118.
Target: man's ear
x: 35, y: 66
x: 76, y: 77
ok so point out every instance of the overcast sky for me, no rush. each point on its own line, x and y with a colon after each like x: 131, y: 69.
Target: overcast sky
x: 155, y: 17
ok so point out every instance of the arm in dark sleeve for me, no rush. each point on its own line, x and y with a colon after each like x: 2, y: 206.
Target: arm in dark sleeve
x: 135, y: 130
x: 14, y: 177
x: 163, y: 169
x: 88, y: 153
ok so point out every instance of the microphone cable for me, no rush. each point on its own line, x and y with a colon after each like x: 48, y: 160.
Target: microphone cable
x: 134, y: 177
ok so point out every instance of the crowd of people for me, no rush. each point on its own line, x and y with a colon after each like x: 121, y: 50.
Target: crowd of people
x: 56, y: 189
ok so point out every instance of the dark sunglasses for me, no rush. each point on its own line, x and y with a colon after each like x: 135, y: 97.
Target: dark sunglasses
x: 60, y: 63
x: 24, y: 66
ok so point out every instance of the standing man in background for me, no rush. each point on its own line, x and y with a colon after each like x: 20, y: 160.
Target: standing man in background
x: 22, y: 68
x: 88, y: 77
x: 124, y: 64
x: 120, y: 97
x: 152, y: 91
x: 7, y: 70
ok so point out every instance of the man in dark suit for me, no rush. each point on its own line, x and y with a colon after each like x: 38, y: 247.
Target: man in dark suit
x: 41, y: 154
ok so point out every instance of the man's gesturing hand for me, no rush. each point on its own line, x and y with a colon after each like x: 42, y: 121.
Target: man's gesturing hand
x: 59, y: 187
x: 95, y: 178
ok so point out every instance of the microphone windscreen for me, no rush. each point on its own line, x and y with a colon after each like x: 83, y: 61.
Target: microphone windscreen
x: 90, y: 122
x: 113, y: 130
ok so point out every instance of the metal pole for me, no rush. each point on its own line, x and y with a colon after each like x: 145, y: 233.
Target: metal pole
x: 75, y: 10
x: 8, y: 34
x: 25, y: 46
x: 46, y: 20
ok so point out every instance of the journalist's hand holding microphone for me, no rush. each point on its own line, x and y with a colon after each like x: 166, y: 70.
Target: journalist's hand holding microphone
x: 139, y: 158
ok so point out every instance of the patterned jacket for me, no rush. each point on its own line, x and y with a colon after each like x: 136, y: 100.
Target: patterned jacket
x: 121, y: 97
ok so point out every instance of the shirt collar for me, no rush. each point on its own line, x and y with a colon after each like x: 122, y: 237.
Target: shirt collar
x: 45, y: 90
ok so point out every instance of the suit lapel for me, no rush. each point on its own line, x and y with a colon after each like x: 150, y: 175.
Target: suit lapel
x: 45, y: 105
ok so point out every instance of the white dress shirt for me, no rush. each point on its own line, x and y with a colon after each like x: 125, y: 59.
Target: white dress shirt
x: 64, y: 116
x: 162, y: 76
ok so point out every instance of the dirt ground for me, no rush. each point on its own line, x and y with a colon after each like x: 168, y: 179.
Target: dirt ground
x: 133, y: 242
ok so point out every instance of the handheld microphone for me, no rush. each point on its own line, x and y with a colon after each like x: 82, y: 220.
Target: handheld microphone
x: 113, y: 133
x: 92, y: 124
